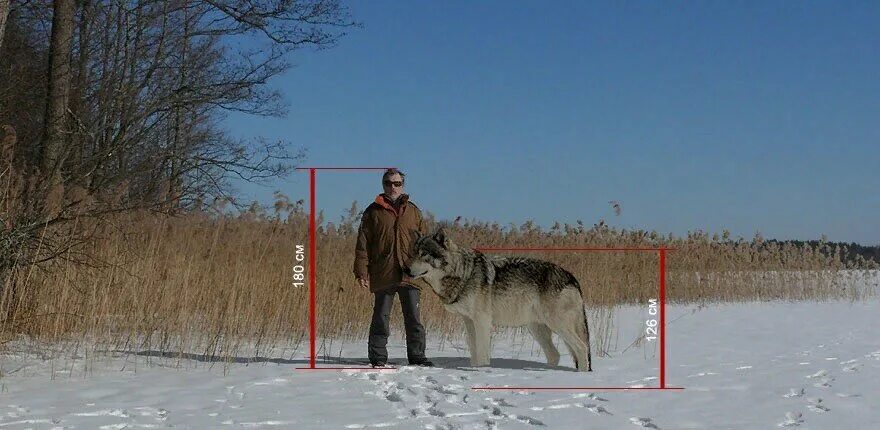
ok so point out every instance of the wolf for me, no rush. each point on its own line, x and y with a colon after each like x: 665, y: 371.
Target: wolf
x: 507, y: 291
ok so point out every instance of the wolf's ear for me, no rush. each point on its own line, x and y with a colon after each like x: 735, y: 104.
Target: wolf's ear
x: 441, y: 238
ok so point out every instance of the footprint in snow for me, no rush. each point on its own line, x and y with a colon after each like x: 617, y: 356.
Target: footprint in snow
x: 498, y: 401
x: 792, y: 419
x: 432, y: 410
x: 818, y: 374
x: 824, y: 382
x: 493, y: 410
x: 146, y: 411
x: 815, y: 405
x: 702, y: 374
x: 591, y: 396
x: 794, y: 393
x: 596, y: 409
x: 643, y: 422
x: 426, y: 408
x: 449, y: 389
x: 526, y: 419
x: 496, y: 412
x: 851, y: 365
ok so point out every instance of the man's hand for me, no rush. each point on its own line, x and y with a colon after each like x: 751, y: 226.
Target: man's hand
x: 363, y: 283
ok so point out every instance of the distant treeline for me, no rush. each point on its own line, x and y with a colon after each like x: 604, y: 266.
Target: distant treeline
x: 850, y: 251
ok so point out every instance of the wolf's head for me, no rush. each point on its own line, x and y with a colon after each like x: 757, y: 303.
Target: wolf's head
x: 433, y: 256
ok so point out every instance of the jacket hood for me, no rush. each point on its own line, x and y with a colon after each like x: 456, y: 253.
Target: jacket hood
x: 382, y: 200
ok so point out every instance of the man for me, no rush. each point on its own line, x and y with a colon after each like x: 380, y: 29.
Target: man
x: 389, y: 227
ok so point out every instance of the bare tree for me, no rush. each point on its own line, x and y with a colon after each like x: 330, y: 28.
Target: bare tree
x: 129, y: 114
x: 55, y: 131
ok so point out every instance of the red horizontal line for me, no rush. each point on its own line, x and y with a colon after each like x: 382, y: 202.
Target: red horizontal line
x: 574, y: 249
x: 346, y: 368
x: 576, y: 388
x: 344, y: 168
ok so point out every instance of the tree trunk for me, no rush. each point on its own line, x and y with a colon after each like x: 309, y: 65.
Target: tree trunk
x: 4, y: 12
x: 55, y: 130
x: 77, y: 93
x: 180, y: 130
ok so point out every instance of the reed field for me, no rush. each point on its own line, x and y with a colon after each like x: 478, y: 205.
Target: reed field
x: 222, y: 286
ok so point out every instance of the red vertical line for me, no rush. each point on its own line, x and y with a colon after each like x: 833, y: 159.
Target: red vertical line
x: 312, y: 266
x: 662, y: 318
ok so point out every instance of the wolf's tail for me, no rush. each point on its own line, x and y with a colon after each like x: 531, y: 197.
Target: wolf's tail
x: 589, y: 354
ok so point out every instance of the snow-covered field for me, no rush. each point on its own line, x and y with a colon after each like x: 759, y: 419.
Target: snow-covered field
x: 743, y: 366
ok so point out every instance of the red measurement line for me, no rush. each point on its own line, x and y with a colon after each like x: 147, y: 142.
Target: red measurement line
x: 662, y: 318
x: 344, y: 168
x: 312, y: 272
x: 575, y: 388
x: 573, y: 249
x: 313, y: 261
x: 346, y: 368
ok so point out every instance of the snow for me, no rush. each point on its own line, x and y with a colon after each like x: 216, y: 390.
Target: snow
x: 751, y: 365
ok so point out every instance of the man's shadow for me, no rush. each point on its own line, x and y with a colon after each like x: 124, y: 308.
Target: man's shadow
x: 456, y: 363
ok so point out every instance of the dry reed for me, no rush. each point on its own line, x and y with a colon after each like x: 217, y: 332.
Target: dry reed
x: 221, y: 286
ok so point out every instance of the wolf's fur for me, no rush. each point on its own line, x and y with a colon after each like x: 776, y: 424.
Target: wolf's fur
x: 514, y: 291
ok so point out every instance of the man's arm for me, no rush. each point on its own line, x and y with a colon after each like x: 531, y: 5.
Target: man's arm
x: 361, y: 259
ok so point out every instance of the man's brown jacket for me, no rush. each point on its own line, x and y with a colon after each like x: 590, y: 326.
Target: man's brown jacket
x: 385, y: 241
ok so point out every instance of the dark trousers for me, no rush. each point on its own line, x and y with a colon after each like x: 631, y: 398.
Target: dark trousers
x: 379, y: 327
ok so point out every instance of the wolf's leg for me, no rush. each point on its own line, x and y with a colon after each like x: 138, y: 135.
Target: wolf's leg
x: 471, y: 341
x: 574, y: 354
x: 577, y: 348
x: 587, y: 342
x: 542, y: 334
x: 574, y: 341
x: 482, y: 341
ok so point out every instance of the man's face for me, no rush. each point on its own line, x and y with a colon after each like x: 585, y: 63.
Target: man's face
x: 393, y: 186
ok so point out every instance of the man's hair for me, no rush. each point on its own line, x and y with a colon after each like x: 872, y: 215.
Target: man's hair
x: 390, y: 172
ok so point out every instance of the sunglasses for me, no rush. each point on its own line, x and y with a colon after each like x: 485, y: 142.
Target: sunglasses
x: 395, y: 183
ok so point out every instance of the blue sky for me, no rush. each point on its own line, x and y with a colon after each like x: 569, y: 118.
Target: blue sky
x: 747, y: 116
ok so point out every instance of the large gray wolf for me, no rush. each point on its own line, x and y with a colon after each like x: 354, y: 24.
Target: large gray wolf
x: 507, y: 291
